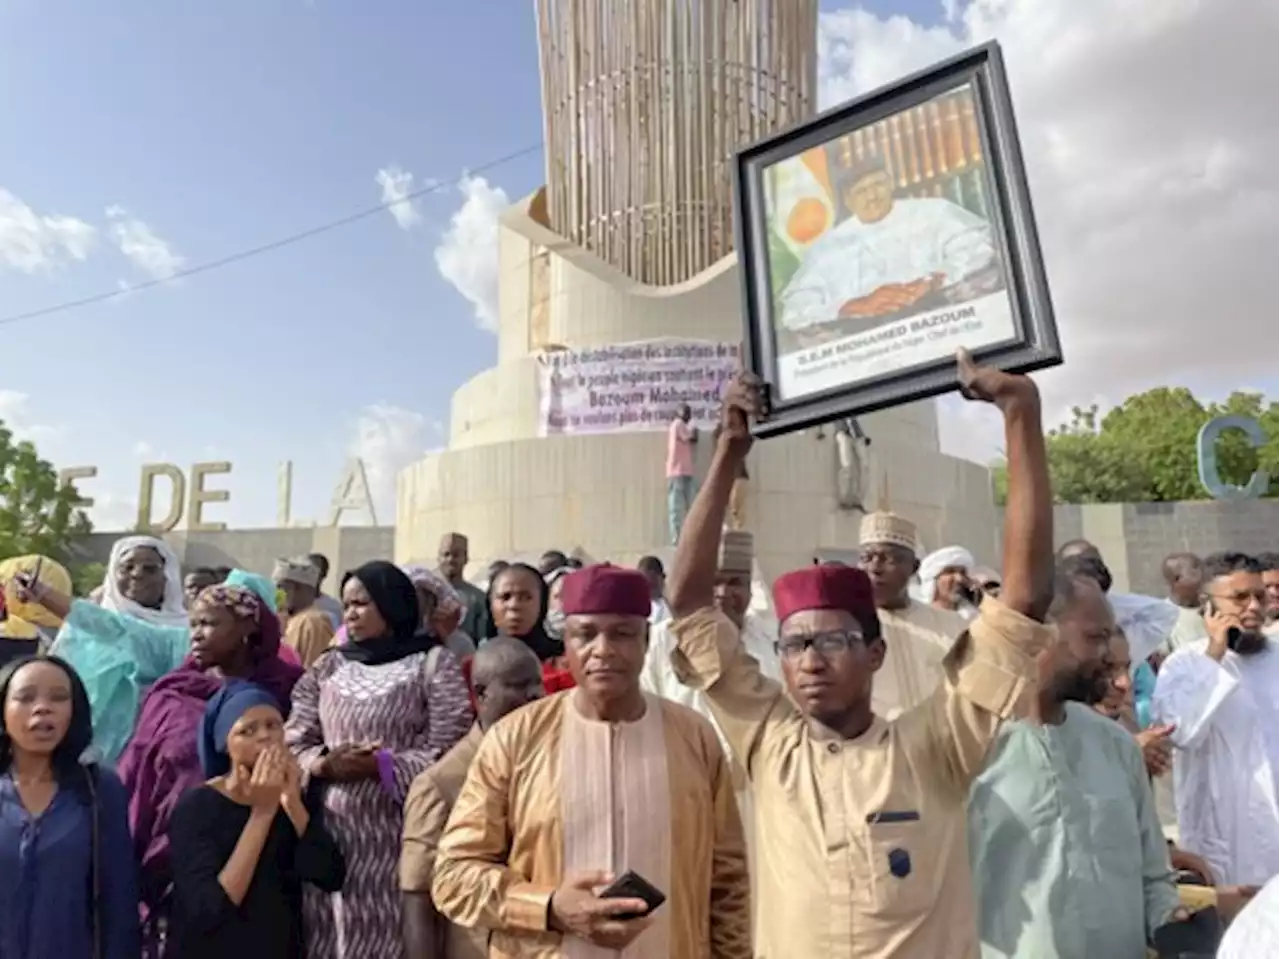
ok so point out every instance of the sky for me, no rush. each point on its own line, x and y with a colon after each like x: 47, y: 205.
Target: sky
x: 142, y: 139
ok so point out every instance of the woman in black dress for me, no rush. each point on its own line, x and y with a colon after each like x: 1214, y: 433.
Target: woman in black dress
x: 243, y: 843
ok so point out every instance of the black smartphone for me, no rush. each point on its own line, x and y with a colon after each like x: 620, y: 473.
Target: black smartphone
x: 1196, y: 938
x: 1234, y: 635
x: 632, y: 885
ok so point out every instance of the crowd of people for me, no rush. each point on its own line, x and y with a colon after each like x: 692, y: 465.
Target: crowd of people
x: 909, y: 757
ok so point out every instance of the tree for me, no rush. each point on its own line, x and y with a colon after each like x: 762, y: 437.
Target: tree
x: 88, y: 577
x: 36, y: 514
x: 1144, y: 450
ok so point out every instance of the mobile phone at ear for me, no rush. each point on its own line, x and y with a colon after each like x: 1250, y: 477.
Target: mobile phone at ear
x: 631, y: 885
x: 1234, y: 635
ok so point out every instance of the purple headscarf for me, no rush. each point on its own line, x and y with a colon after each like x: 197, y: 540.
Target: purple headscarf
x: 162, y: 761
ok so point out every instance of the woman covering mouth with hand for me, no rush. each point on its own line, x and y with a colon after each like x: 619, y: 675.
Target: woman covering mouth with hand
x: 234, y: 635
x: 68, y: 885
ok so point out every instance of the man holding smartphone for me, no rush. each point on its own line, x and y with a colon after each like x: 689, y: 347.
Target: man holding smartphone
x: 602, y: 818
x: 1222, y: 695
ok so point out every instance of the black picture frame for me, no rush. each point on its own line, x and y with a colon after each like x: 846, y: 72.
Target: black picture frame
x: 997, y: 177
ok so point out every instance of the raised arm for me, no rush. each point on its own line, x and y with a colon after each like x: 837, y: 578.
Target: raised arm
x: 708, y: 652
x: 994, y: 662
x: 1028, y: 514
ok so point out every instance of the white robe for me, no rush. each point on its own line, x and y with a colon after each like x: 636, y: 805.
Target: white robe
x: 658, y: 677
x: 1255, y: 933
x: 1225, y: 767
x: 919, y: 237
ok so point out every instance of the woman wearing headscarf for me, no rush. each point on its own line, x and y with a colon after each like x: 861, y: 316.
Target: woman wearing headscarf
x: 68, y: 883
x: 519, y: 600
x: 269, y: 593
x: 244, y: 843
x: 28, y: 628
x: 234, y: 635
x: 367, y: 717
x: 441, y: 609
x: 132, y: 637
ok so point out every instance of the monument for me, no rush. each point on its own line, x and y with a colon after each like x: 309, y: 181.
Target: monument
x: 619, y: 299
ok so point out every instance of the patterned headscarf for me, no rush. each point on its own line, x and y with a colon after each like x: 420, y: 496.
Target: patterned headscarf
x: 241, y: 601
x: 448, y: 603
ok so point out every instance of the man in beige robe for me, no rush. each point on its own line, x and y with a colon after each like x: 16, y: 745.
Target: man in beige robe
x: 916, y: 635
x: 861, y: 824
x: 308, y: 628
x: 505, y: 675
x: 568, y: 793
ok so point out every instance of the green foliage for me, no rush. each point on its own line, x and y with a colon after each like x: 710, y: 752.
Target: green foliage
x: 1144, y: 450
x: 36, y: 514
x: 88, y: 577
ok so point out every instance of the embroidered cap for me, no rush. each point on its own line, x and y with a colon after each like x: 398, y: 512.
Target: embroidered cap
x: 890, y: 529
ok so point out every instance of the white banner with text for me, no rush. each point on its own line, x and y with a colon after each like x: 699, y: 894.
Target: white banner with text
x: 632, y: 387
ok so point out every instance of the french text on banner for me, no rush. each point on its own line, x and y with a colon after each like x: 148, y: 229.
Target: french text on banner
x: 632, y: 387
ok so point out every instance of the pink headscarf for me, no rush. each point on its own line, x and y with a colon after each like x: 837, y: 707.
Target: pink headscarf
x: 448, y: 603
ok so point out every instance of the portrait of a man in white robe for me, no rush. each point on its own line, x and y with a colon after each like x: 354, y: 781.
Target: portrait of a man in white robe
x: 890, y: 257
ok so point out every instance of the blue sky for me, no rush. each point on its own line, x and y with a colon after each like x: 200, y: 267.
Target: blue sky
x: 223, y: 125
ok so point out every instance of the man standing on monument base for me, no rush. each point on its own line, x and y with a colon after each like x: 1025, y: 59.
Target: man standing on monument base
x: 861, y: 825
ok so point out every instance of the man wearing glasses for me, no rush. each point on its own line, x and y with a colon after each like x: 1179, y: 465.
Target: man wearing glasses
x: 860, y: 820
x: 1222, y: 696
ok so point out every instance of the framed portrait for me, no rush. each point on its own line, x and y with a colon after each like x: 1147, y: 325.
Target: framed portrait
x: 878, y: 238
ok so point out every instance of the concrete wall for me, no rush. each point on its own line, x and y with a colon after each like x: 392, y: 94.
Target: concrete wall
x: 257, y: 549
x: 1136, y: 537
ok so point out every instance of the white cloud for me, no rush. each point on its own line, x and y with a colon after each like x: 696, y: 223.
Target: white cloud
x: 386, y: 439
x: 467, y: 255
x: 142, y: 246
x: 17, y: 415
x: 1154, y: 183
x: 396, y: 186
x: 32, y: 242
x: 110, y: 512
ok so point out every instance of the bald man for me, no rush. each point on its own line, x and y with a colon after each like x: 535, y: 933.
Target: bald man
x: 505, y: 675
x: 453, y: 556
x: 1183, y: 575
x: 587, y: 785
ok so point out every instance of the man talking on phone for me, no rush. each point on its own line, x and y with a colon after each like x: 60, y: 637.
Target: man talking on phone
x: 600, y: 819
x: 1222, y: 695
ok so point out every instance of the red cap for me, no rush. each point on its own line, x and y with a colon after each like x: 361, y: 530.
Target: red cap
x: 827, y: 587
x: 605, y: 588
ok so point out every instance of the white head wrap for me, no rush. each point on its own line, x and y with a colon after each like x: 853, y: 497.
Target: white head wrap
x: 1146, y: 622
x: 949, y: 557
x: 172, y: 611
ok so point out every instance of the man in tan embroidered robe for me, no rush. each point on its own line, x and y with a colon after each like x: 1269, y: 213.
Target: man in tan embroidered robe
x: 569, y: 792
x: 505, y: 675
x: 916, y: 635
x: 861, y: 824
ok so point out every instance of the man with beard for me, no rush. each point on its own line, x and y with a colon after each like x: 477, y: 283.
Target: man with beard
x: 1069, y: 861
x: 1223, y: 696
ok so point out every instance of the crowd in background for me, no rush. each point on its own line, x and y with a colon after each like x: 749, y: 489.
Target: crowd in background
x: 913, y: 756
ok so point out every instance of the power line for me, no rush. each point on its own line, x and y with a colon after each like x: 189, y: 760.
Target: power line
x: 209, y: 265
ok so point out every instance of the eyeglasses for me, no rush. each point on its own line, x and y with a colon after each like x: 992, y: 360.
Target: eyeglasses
x: 825, y: 645
x: 1242, y: 597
